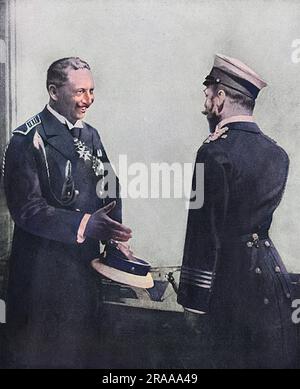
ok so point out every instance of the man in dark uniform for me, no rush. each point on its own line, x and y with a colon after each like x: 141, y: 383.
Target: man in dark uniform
x: 54, y: 174
x: 232, y: 277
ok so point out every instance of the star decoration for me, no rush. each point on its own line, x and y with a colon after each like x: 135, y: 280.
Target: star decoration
x: 86, y: 154
x: 81, y: 153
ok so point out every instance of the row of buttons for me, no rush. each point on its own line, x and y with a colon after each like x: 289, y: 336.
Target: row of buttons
x: 277, y: 270
x: 258, y: 270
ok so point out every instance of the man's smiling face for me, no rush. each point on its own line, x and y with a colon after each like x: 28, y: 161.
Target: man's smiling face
x: 76, y: 95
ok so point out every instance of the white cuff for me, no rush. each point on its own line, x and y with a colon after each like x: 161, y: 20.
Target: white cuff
x: 81, y: 229
x: 195, y: 311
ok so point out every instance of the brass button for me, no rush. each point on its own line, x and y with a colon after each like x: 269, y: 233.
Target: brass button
x: 258, y: 270
x: 288, y: 295
x: 266, y: 301
x: 249, y: 244
x: 277, y: 269
x: 255, y: 236
x: 267, y: 243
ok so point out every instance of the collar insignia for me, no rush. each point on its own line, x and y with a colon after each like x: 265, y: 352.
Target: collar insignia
x: 218, y: 133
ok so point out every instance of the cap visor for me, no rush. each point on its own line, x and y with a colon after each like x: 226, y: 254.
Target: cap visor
x: 123, y: 277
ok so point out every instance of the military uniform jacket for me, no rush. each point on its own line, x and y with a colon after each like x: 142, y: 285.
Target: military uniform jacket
x: 231, y: 269
x: 52, y: 294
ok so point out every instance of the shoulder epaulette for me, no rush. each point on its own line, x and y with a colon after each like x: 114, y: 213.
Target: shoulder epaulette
x: 28, y: 126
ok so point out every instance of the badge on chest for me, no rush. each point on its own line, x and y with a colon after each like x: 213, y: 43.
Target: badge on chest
x: 86, y: 154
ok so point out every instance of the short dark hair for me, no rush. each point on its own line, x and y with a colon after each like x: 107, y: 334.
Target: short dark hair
x: 236, y: 97
x: 57, y: 73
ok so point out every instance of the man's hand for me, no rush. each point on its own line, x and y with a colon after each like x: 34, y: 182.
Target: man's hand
x: 101, y: 227
x: 125, y: 249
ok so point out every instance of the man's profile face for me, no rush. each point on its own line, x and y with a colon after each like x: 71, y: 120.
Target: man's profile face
x: 76, y: 95
x: 210, y: 107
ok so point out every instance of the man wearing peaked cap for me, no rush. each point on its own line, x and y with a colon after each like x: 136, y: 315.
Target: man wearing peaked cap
x: 236, y: 75
x: 232, y: 276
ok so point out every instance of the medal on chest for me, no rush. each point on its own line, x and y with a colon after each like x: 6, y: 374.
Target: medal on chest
x: 86, y: 154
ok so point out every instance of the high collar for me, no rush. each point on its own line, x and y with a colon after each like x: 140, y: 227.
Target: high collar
x: 235, y: 119
x: 56, y: 134
x: 241, y: 122
x: 64, y: 120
